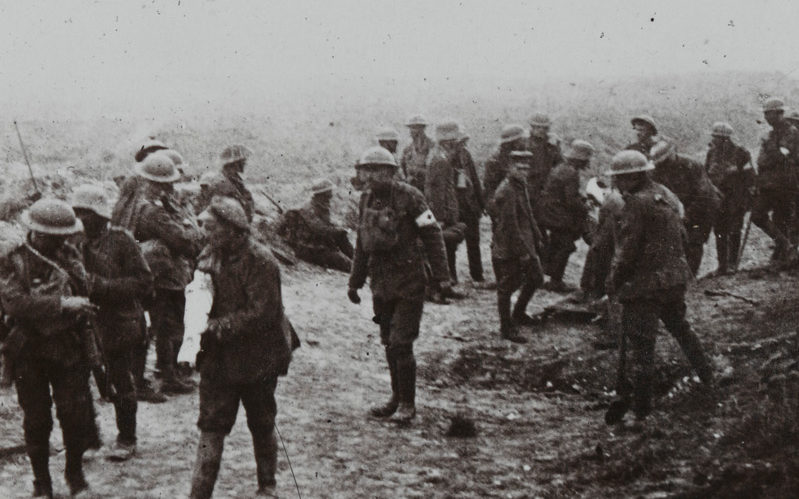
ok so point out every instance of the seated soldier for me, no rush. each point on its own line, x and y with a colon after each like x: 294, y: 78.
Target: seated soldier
x: 313, y: 236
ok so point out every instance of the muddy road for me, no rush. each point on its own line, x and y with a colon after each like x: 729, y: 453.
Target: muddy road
x: 537, y: 408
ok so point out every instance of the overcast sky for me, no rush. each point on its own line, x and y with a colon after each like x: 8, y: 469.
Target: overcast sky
x: 125, y: 53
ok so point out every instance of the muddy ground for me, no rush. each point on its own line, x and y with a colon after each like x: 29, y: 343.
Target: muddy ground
x: 537, y: 408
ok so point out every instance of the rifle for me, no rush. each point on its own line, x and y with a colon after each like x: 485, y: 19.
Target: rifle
x: 38, y: 193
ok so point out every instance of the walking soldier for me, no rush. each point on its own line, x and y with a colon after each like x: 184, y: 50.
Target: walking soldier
x: 394, y: 218
x: 512, y: 138
x: 414, y: 156
x: 470, y: 206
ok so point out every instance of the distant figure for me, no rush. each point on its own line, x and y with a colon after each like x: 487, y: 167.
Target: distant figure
x: 440, y: 191
x: 646, y: 133
x: 388, y: 139
x: 688, y: 179
x: 313, y: 236
x: 245, y: 347
x: 414, y: 156
x: 603, y: 244
x: 512, y: 138
x: 793, y: 119
x: 515, y: 247
x: 132, y: 187
x: 649, y: 275
x: 729, y: 167
x: 203, y: 199
x: 396, y: 232
x: 562, y: 212
x: 230, y: 183
x: 545, y: 147
x: 470, y: 206
x: 777, y: 165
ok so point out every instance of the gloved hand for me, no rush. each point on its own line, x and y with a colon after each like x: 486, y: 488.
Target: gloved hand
x: 352, y: 294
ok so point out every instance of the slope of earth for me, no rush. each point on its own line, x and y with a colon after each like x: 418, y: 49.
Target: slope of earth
x: 537, y: 408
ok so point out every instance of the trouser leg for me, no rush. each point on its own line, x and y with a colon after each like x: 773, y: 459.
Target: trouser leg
x: 403, y: 330
x: 125, y: 405
x: 640, y: 321
x: 673, y: 316
x: 508, y: 282
x: 206, y: 466
x: 452, y: 251
x: 75, y: 411
x: 473, y: 248
x: 259, y: 403
x: 561, y: 246
x: 734, y: 228
x: 33, y: 394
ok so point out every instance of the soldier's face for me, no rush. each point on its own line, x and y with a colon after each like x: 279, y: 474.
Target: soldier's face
x: 625, y: 183
x: 216, y: 233
x: 374, y: 176
x: 416, y: 131
x: 773, y: 117
x: 92, y: 222
x: 46, y: 243
x: 539, y: 132
x: 642, y: 131
x: 717, y: 140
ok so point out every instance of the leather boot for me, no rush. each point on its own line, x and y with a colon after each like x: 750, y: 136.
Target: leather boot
x: 406, y: 384
x: 519, y: 315
x: 390, y: 407
x: 173, y: 384
x: 265, y: 447
x: 73, y: 471
x: 506, y: 327
x: 206, y: 468
x: 39, y: 456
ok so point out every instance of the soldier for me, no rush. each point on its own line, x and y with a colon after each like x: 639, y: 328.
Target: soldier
x: 777, y: 179
x: 649, y: 275
x: 600, y: 252
x: 646, y: 133
x: 563, y: 212
x: 244, y: 348
x: 311, y: 234
x: 229, y: 183
x: 394, y: 220
x: 470, y: 206
x: 119, y: 279
x: 170, y: 241
x: 512, y: 138
x: 206, y: 180
x: 793, y: 119
x: 388, y: 138
x: 515, y: 246
x: 730, y: 169
x: 44, y: 291
x: 414, y: 156
x: 131, y: 189
x: 440, y: 191
x: 688, y: 179
x: 545, y: 147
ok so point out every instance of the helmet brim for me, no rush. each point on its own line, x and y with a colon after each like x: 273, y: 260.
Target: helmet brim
x: 153, y: 178
x: 31, y: 224
x: 645, y: 168
x: 103, y: 211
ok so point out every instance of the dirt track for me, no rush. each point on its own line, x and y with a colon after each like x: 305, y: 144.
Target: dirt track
x: 537, y: 408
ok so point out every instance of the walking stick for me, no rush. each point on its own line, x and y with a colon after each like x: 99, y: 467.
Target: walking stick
x: 27, y: 161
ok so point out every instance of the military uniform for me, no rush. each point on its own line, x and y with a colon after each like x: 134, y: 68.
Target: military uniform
x: 726, y: 165
x: 777, y: 165
x: 470, y: 208
x: 603, y: 244
x: 441, y: 195
x: 649, y: 275
x: 170, y: 242
x: 496, y: 169
x: 242, y: 363
x: 314, y: 238
x: 414, y: 161
x: 49, y: 353
x: 230, y: 184
x: 120, y: 279
x: 546, y: 156
x: 688, y: 179
x: 644, y: 147
x: 392, y: 224
x: 562, y: 212
x: 515, y: 246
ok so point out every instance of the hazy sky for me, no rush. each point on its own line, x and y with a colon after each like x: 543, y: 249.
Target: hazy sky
x: 123, y: 54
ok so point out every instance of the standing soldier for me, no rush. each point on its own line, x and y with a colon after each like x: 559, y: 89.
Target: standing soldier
x: 545, y: 147
x: 244, y: 348
x: 512, y: 138
x: 388, y: 139
x: 170, y: 241
x: 688, y: 179
x: 646, y: 134
x: 730, y: 169
x: 515, y: 246
x: 229, y: 183
x: 394, y: 220
x: 563, y: 212
x: 440, y: 191
x: 777, y: 179
x: 44, y: 291
x: 470, y: 206
x: 649, y: 275
x: 793, y: 119
x: 119, y: 279
x: 313, y: 236
x: 414, y: 156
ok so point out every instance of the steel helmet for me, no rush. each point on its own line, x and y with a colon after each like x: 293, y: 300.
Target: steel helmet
x: 540, y: 119
x: 228, y: 210
x: 580, y: 149
x: 721, y: 129
x: 175, y: 156
x: 626, y: 162
x: 376, y: 156
x: 774, y: 104
x: 208, y: 178
x: 511, y: 133
x: 52, y: 216
x: 793, y: 116
x: 416, y: 121
x: 387, y: 134
x: 93, y: 198
x: 158, y: 168
x: 448, y: 130
x: 644, y: 119
x: 322, y: 185
x: 522, y: 157
x: 234, y: 153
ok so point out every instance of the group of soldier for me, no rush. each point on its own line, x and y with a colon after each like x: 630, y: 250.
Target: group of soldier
x: 75, y: 292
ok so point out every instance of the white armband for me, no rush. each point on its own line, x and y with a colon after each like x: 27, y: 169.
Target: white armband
x: 425, y: 219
